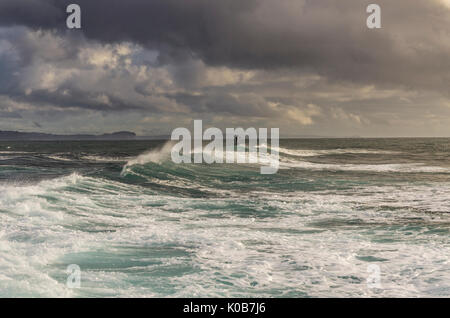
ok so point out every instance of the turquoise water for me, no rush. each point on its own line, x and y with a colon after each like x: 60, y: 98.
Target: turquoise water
x: 139, y: 225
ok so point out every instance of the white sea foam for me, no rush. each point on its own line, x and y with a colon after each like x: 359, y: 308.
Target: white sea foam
x: 318, y: 244
x: 251, y: 243
x: 324, y: 152
x: 7, y: 155
x: 400, y: 167
x: 314, y: 153
x: 155, y: 156
x: 106, y: 158
x: 15, y: 152
x: 242, y: 155
x: 59, y: 158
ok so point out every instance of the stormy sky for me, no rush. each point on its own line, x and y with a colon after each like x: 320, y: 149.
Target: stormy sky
x: 309, y: 67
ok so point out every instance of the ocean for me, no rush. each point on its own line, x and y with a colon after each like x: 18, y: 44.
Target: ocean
x: 338, y: 213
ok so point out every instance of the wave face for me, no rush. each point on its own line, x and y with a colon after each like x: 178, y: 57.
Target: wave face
x: 139, y: 225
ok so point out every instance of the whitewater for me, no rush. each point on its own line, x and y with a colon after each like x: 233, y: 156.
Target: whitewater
x: 139, y: 225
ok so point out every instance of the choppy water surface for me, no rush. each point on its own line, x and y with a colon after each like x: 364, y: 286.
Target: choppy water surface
x: 139, y: 225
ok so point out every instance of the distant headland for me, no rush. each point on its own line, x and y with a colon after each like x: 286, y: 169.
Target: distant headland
x: 34, y: 136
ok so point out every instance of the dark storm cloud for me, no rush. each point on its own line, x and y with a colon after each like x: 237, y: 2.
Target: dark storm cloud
x: 10, y: 115
x: 68, y: 98
x: 328, y: 37
x: 304, y: 63
x: 33, y: 13
x: 224, y: 103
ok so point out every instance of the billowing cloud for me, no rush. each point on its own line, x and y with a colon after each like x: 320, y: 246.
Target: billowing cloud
x: 308, y: 66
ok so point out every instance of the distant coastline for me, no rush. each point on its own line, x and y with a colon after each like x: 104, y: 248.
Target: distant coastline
x: 128, y: 135
x: 34, y: 136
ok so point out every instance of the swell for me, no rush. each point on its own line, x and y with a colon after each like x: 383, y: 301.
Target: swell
x: 325, y: 152
x: 159, y: 159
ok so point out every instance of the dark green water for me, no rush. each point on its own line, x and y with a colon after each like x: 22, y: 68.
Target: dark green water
x: 139, y: 225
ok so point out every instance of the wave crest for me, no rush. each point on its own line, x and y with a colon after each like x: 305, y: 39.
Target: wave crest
x: 155, y: 156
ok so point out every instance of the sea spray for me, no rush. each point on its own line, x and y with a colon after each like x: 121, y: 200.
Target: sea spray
x: 226, y: 230
x: 156, y: 156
